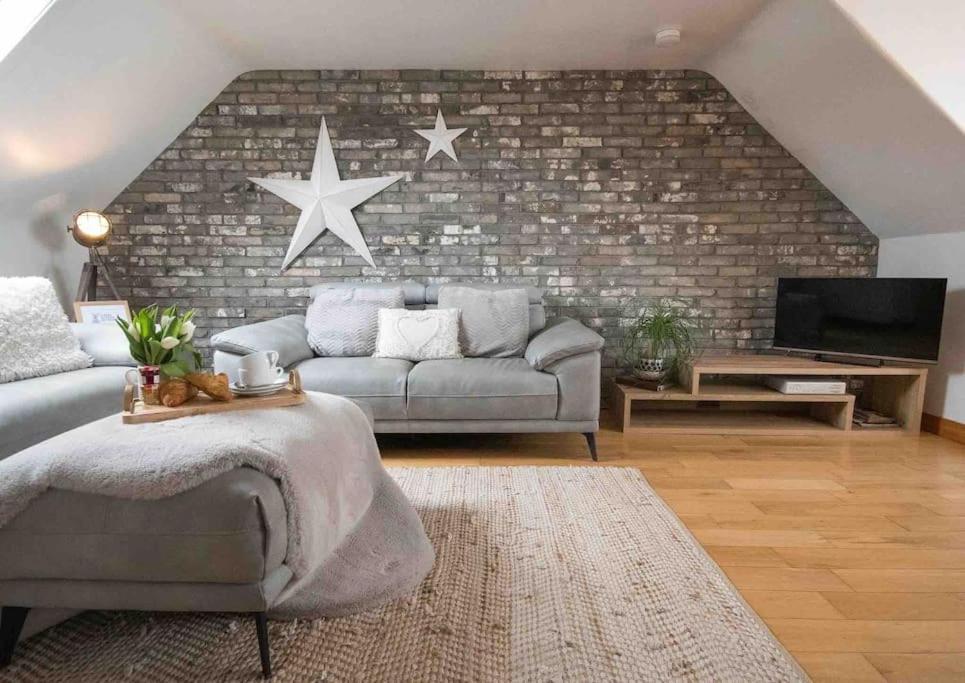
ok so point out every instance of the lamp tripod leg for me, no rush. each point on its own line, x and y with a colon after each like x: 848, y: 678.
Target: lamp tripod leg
x: 87, y: 288
x: 104, y: 271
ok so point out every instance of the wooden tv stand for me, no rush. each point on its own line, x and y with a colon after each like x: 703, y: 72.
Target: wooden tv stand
x: 724, y: 395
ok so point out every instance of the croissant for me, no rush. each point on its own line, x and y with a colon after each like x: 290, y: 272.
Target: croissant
x: 175, y: 391
x: 215, y: 386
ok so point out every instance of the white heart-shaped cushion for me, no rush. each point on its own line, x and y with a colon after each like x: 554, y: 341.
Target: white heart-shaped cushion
x: 417, y: 331
x: 418, y: 335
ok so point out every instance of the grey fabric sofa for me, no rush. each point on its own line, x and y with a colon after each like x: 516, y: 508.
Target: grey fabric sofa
x: 35, y: 409
x: 554, y: 387
x: 219, y: 547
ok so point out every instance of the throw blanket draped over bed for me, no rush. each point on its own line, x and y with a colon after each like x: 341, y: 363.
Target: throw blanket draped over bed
x: 354, y: 541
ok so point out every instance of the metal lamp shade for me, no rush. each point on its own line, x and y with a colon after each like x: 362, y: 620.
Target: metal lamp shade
x: 90, y: 228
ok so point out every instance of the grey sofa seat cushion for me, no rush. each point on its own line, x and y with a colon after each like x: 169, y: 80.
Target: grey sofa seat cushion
x: 480, y: 389
x: 231, y: 529
x: 36, y: 409
x: 286, y: 335
x: 380, y: 382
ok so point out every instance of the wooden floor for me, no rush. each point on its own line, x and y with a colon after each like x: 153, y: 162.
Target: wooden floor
x: 851, y: 548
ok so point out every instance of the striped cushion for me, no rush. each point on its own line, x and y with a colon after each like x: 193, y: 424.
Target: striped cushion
x: 345, y: 321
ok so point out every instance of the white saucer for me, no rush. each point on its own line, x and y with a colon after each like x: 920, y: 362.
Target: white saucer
x: 260, y: 390
x: 263, y: 392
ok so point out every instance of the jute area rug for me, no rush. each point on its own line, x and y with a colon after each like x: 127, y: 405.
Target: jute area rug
x: 543, y: 574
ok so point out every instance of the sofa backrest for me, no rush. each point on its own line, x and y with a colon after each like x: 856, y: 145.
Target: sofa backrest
x: 419, y: 296
x: 414, y: 292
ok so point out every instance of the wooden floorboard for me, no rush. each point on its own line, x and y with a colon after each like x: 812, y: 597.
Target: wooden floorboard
x: 850, y: 548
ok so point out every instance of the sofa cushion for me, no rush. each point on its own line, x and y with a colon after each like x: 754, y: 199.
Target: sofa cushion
x: 418, y: 335
x: 344, y: 321
x: 537, y: 313
x: 380, y: 382
x: 35, y: 338
x: 492, y: 324
x: 36, y: 409
x: 480, y: 389
x: 105, y: 343
x: 230, y: 529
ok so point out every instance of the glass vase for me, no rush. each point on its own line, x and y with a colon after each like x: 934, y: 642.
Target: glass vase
x: 150, y: 384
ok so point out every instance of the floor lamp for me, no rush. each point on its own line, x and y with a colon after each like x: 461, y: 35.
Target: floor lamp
x: 91, y: 229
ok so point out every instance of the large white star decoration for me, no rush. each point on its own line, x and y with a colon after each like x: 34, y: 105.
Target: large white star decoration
x: 326, y: 201
x: 440, y: 138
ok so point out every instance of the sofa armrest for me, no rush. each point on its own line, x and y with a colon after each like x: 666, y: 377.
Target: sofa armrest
x: 286, y: 335
x: 561, y: 338
x: 104, y: 342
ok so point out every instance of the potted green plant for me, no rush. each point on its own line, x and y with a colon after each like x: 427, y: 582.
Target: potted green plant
x: 161, y: 342
x: 658, y: 342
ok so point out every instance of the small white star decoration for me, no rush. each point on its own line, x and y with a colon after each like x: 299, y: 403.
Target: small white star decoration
x: 440, y: 138
x: 326, y: 201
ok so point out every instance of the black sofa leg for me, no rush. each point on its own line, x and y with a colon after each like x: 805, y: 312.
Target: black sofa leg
x: 591, y: 443
x: 11, y: 623
x: 261, y: 625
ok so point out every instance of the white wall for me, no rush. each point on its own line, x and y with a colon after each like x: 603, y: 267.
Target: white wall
x: 830, y: 94
x: 926, y: 40
x: 86, y: 101
x: 937, y: 256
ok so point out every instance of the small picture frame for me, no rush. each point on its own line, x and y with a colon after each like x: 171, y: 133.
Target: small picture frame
x: 101, y: 312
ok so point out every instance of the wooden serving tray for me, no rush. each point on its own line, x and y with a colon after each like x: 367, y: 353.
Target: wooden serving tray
x: 136, y: 412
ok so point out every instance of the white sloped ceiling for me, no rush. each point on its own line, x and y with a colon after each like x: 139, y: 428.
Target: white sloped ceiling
x: 87, y: 99
x: 823, y: 86
x: 99, y: 87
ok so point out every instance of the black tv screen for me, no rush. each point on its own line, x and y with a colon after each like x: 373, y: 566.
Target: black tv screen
x: 888, y: 317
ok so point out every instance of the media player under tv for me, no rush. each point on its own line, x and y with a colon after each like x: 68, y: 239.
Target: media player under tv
x: 805, y: 385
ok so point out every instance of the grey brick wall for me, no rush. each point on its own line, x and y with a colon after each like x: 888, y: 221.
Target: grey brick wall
x: 606, y: 189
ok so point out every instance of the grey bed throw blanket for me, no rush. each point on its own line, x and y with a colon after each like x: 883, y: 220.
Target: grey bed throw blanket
x: 354, y: 541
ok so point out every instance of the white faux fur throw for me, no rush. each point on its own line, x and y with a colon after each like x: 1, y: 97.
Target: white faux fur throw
x: 354, y: 540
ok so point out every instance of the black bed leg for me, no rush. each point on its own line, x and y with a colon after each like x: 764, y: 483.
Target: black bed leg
x: 591, y: 443
x: 11, y: 623
x: 261, y: 625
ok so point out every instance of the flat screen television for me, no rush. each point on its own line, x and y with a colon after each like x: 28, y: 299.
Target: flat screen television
x: 887, y: 318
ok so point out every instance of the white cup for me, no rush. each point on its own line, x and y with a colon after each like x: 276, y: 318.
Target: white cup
x: 259, y: 368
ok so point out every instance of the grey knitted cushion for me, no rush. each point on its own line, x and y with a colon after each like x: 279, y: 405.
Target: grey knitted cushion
x: 345, y: 321
x: 494, y: 323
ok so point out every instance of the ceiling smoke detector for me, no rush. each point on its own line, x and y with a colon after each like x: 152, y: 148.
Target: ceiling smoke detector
x: 667, y: 37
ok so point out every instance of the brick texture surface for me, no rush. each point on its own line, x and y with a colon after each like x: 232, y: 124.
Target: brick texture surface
x: 606, y: 189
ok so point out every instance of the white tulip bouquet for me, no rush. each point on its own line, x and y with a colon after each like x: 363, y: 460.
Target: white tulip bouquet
x: 163, y: 341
